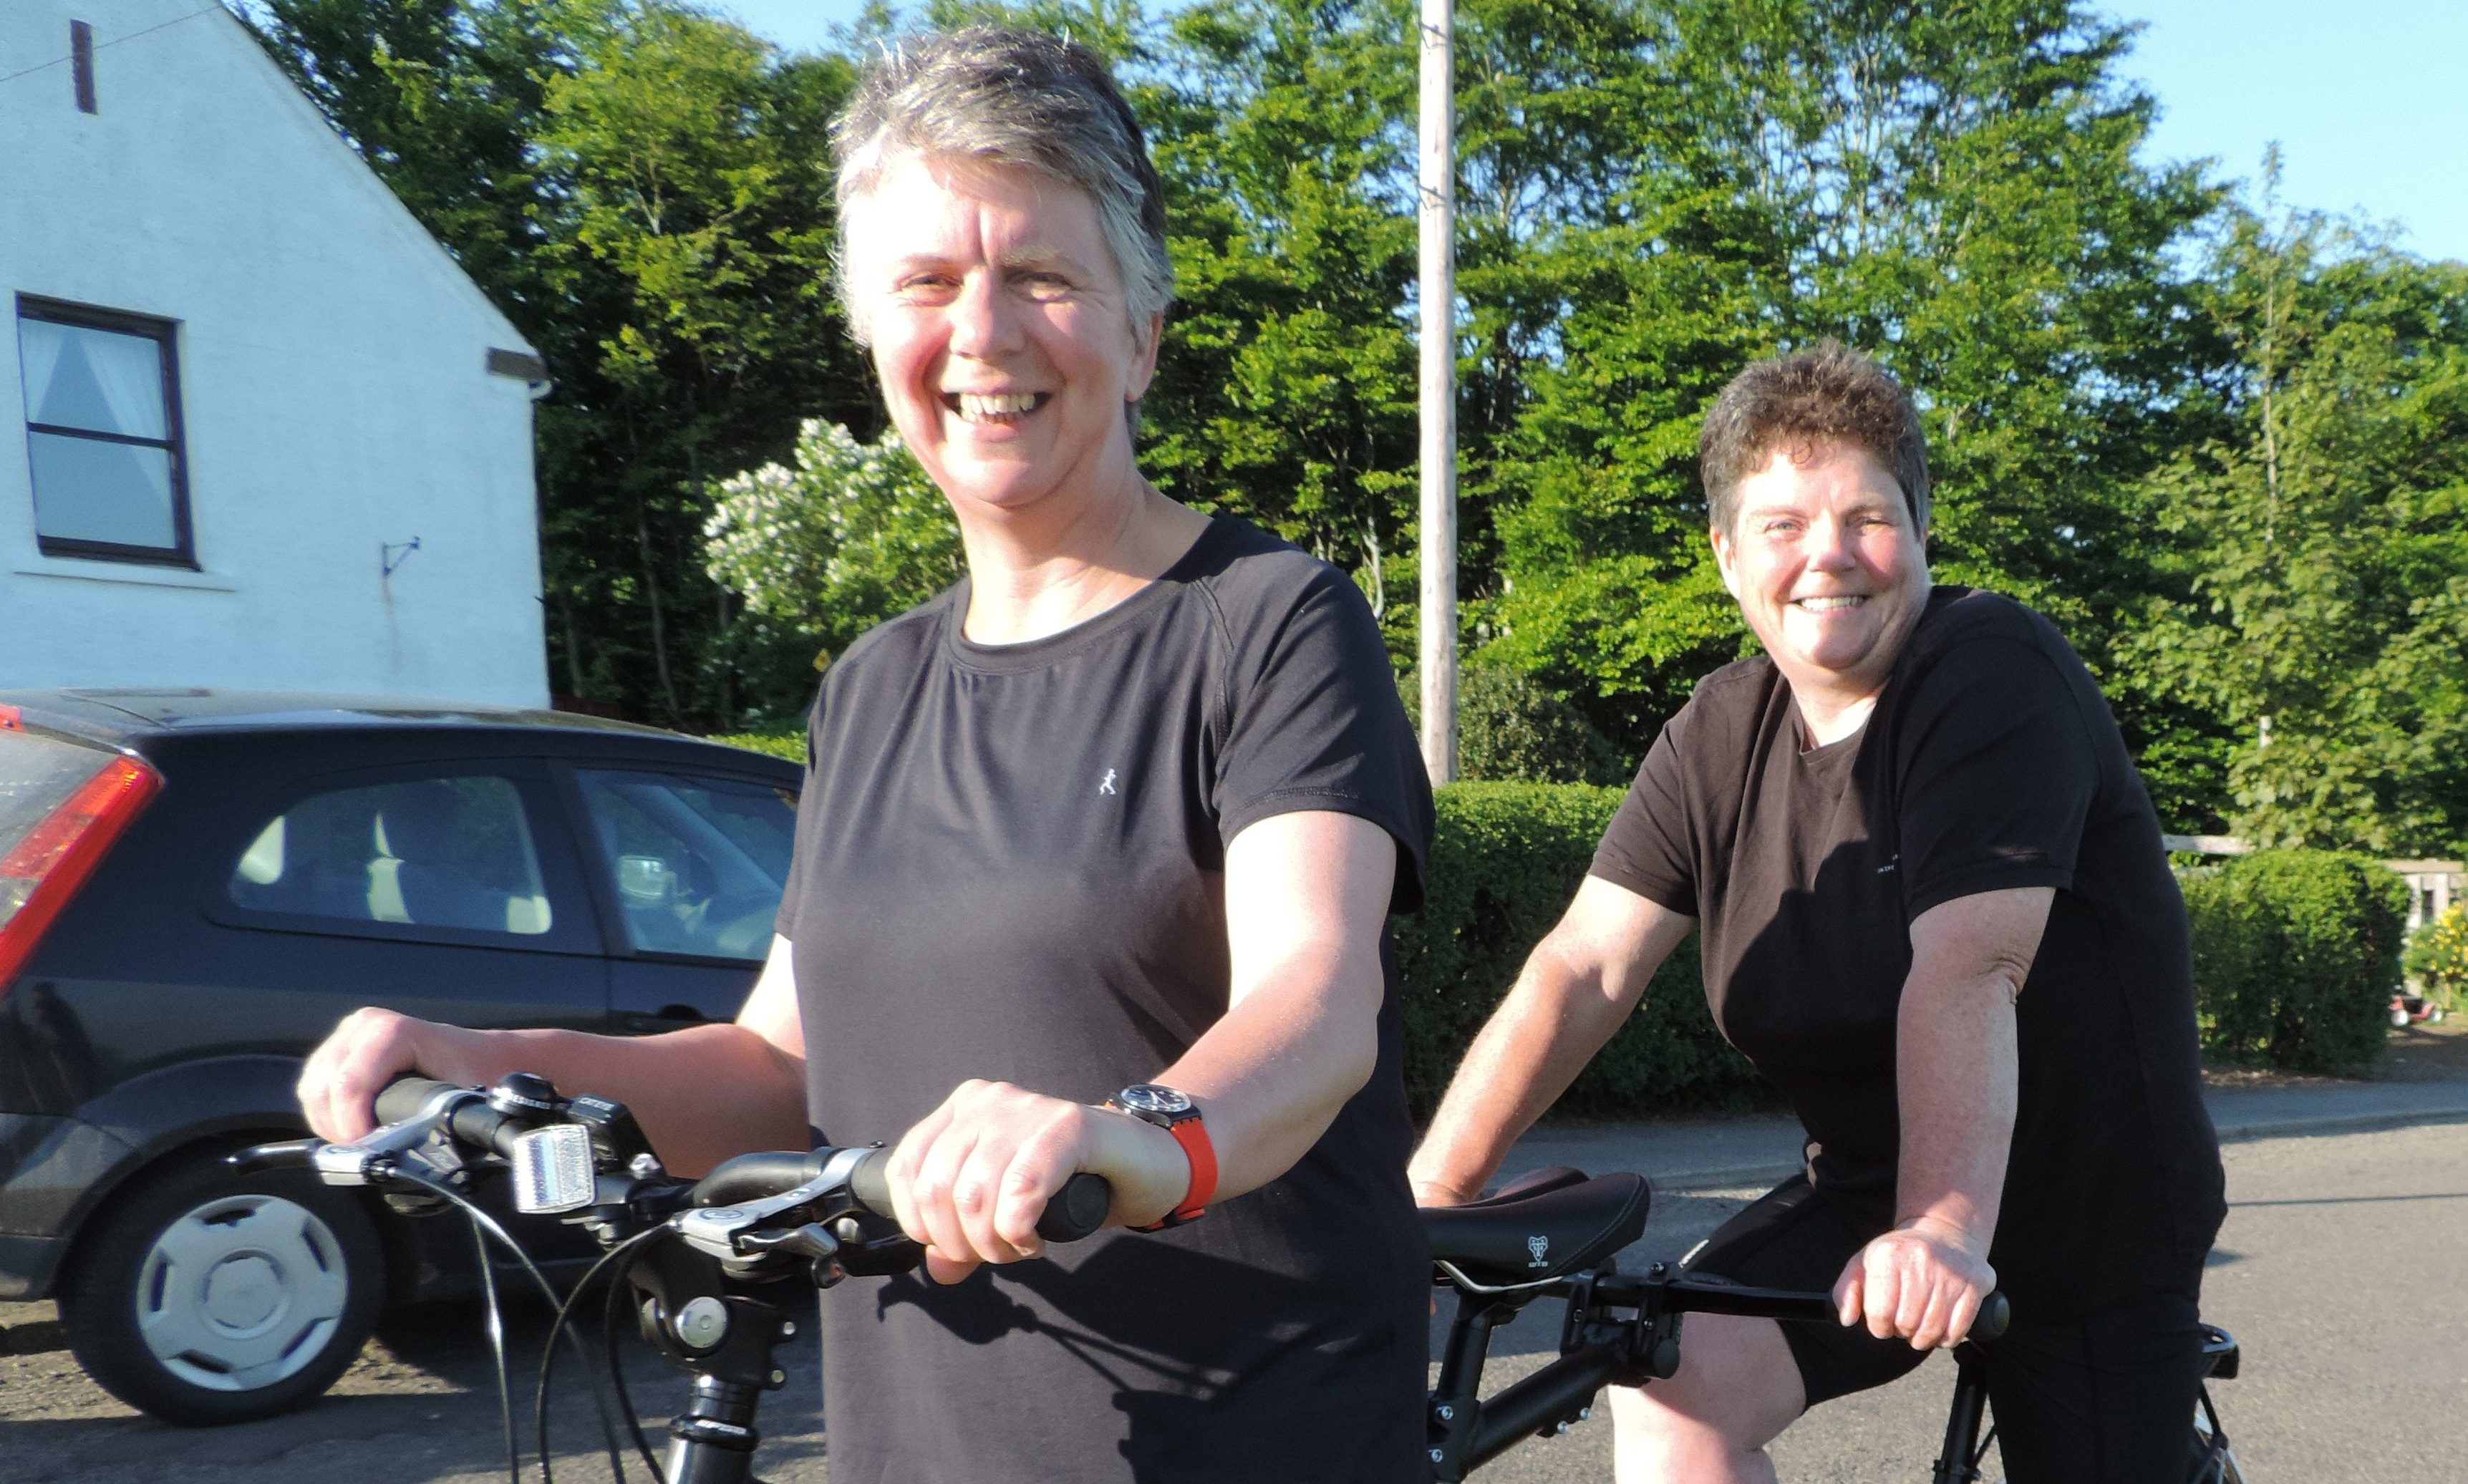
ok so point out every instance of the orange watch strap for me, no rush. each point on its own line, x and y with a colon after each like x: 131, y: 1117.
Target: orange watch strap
x: 1192, y: 1133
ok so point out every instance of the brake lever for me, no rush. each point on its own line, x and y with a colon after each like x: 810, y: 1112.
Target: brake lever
x: 719, y: 1231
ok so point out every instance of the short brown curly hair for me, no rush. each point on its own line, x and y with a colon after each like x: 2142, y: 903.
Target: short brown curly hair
x: 1827, y: 393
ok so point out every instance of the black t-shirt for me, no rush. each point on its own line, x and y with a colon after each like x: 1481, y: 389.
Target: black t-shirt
x: 1990, y: 762
x: 1010, y: 865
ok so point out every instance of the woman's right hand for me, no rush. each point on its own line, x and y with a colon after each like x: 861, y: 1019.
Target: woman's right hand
x: 369, y: 1049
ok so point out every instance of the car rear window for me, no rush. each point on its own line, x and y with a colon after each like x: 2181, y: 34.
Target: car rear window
x: 38, y: 774
x: 428, y: 853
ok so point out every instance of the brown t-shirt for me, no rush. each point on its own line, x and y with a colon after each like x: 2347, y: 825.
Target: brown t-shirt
x: 1990, y: 762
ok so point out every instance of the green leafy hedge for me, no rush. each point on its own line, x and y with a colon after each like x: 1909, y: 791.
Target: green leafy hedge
x: 2295, y: 956
x: 1506, y: 860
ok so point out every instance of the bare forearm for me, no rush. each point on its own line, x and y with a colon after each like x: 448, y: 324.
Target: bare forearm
x: 1547, y: 1028
x: 703, y: 1094
x: 1955, y: 1078
x: 1273, y: 1073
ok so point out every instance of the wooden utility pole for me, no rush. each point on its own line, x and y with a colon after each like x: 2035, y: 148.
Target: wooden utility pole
x: 1437, y: 182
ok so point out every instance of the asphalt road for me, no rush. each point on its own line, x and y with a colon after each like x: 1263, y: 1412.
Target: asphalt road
x: 2340, y: 1270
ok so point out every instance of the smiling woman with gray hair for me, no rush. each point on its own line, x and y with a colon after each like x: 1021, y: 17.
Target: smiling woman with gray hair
x: 1093, y: 867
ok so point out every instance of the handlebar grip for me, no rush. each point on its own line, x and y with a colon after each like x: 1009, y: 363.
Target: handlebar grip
x: 870, y: 1182
x: 1075, y: 1211
x: 1994, y: 1314
x: 472, y: 1121
x: 404, y: 1097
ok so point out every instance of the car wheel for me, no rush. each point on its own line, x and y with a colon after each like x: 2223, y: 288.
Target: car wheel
x: 206, y: 1296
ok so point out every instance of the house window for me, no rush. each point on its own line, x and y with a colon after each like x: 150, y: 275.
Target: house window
x: 102, y: 434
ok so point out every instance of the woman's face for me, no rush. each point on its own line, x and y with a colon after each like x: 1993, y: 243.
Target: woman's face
x: 1827, y: 567
x: 999, y: 328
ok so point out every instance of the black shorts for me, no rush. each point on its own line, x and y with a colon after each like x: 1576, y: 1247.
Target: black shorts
x: 2105, y: 1398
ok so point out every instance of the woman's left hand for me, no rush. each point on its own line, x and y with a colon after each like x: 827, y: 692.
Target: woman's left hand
x: 971, y: 1178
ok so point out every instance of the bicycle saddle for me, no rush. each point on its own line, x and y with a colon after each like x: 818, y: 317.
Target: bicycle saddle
x: 1539, y: 1226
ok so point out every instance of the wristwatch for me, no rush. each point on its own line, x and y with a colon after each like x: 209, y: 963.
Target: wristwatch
x: 1155, y: 1103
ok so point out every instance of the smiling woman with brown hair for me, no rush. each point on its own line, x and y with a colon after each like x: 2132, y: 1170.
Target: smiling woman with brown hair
x: 1937, y: 915
x: 1093, y: 867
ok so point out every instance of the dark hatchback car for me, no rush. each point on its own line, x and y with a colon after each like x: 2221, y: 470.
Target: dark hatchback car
x: 194, y: 886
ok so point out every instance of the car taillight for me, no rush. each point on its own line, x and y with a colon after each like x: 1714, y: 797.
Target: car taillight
x: 48, y: 865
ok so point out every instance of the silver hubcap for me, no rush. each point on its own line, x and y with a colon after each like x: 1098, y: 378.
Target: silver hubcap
x: 242, y: 1293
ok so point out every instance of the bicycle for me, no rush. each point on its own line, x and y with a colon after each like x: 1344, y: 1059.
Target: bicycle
x: 688, y: 1252
x: 1553, y: 1233
x: 693, y: 1254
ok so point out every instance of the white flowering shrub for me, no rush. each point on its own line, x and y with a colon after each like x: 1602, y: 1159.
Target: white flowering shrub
x: 851, y: 535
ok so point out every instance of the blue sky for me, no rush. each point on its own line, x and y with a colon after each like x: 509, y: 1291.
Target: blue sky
x: 2366, y: 98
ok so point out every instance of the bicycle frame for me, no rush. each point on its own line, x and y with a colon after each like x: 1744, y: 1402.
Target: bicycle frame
x: 1624, y: 1329
x: 1620, y: 1329
x: 1966, y: 1448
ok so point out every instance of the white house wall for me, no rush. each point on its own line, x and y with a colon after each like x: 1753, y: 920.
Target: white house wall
x: 333, y: 378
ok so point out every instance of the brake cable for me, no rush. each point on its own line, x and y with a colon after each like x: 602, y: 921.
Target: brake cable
x: 626, y: 1251
x: 496, y: 1331
x: 482, y: 1219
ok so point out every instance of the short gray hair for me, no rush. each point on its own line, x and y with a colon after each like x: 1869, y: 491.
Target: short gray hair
x: 1009, y: 95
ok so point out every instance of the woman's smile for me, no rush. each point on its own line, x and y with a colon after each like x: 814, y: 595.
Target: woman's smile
x: 995, y: 409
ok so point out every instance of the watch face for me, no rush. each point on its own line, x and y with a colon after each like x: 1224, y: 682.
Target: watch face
x: 1148, y: 1097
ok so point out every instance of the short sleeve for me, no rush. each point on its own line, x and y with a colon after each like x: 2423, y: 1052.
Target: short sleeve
x: 1313, y: 722
x: 1997, y: 775
x: 1645, y: 847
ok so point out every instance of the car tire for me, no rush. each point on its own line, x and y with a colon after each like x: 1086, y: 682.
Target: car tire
x: 206, y: 1296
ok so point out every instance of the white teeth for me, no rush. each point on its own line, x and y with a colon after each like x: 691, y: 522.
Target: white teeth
x: 975, y: 405
x: 1831, y: 604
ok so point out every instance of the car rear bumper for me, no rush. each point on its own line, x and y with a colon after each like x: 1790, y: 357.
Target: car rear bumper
x: 29, y: 1266
x: 49, y: 1169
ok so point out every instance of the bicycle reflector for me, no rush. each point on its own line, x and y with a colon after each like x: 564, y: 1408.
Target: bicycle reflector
x: 553, y: 1170
x: 59, y: 816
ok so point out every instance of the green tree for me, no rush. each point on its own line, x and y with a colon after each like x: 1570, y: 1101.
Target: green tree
x: 1286, y: 391
x: 2324, y: 536
x: 1953, y: 189
x: 851, y: 535
x: 644, y: 190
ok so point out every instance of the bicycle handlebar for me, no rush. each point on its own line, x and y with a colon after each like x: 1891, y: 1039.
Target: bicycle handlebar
x: 1078, y: 1210
x: 471, y: 1119
x: 1075, y: 1211
x: 1696, y: 1295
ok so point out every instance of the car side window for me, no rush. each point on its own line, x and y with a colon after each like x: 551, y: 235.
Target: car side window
x: 696, y: 864
x: 450, y: 851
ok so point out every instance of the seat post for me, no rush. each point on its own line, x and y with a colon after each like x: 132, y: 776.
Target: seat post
x: 1959, y: 1463
x: 1455, y: 1405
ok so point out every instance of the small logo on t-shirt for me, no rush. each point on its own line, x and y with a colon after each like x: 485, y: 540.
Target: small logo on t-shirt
x: 1887, y: 869
x: 1538, y: 1245
x: 1106, y: 785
